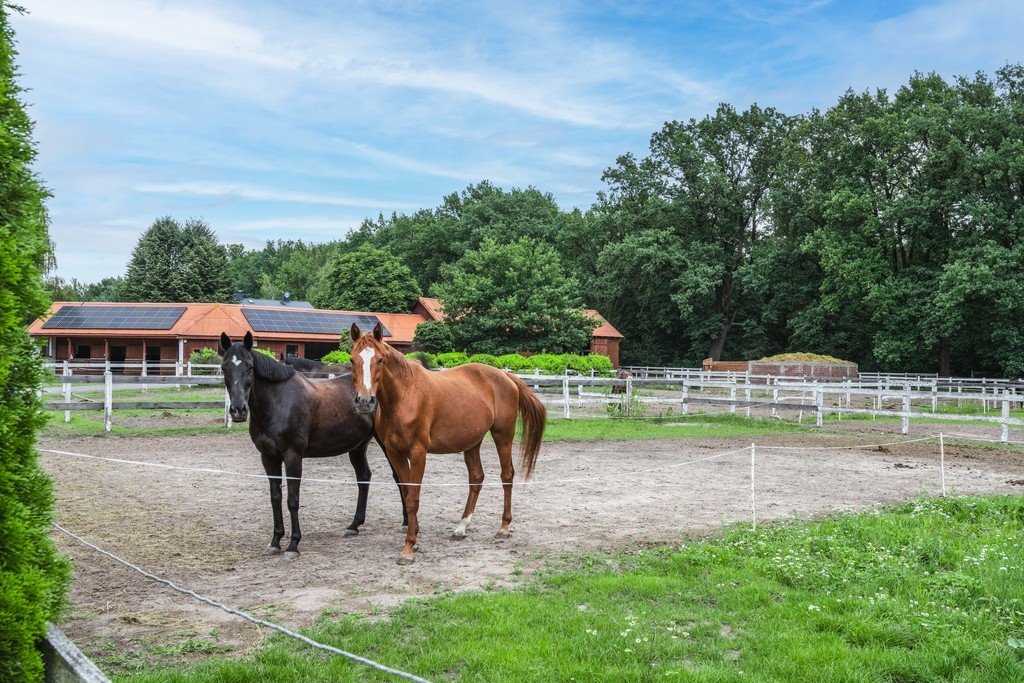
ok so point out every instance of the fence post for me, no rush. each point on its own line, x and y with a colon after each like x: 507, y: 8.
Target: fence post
x: 942, y: 462
x: 565, y: 396
x: 145, y: 373
x: 1004, y: 430
x: 686, y: 398
x: 753, y: 503
x: 905, y: 429
x: 67, y: 390
x: 746, y: 393
x: 227, y: 410
x: 108, y: 400
x: 629, y: 395
x: 732, y: 398
x: 935, y: 395
x: 775, y: 399
x: 819, y: 404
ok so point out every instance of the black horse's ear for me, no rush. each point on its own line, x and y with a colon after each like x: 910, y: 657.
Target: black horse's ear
x: 378, y: 332
x: 225, y: 342
x: 355, y: 332
x: 247, y: 342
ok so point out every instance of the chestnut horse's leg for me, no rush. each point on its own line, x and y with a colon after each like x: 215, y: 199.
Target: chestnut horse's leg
x: 503, y: 442
x: 363, y: 474
x: 293, y: 468
x: 394, y: 474
x: 272, y: 466
x: 476, y: 480
x: 412, y: 474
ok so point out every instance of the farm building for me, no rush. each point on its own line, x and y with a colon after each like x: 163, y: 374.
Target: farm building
x: 169, y: 332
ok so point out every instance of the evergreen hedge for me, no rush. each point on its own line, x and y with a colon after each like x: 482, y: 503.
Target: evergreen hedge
x: 33, y: 577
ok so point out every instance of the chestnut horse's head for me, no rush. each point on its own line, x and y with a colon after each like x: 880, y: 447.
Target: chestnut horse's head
x: 368, y: 355
x: 238, y: 374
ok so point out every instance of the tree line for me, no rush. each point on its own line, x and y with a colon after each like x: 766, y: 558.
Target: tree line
x: 885, y: 229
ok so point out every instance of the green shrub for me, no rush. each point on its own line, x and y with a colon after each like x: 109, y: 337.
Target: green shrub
x: 599, y: 364
x: 266, y: 352
x: 33, y: 577
x: 424, y: 358
x: 451, y: 359
x: 514, y: 362
x: 204, y: 356
x: 548, y: 363
x: 433, y: 336
x: 484, y: 359
x: 338, y: 357
x: 581, y: 364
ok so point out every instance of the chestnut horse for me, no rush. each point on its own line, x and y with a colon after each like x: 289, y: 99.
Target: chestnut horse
x: 420, y: 412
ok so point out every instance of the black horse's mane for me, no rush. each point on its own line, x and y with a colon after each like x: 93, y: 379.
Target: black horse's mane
x: 269, y: 369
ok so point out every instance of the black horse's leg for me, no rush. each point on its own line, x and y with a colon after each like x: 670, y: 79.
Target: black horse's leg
x: 293, y: 468
x: 363, y: 474
x: 394, y: 474
x: 272, y: 466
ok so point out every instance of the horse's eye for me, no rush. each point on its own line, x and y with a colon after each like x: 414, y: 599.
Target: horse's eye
x: 379, y: 361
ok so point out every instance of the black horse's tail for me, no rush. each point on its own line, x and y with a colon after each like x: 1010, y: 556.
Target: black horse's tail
x: 534, y: 416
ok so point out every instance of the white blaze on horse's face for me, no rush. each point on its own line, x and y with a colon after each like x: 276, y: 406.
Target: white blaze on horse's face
x: 367, y: 355
x: 236, y: 361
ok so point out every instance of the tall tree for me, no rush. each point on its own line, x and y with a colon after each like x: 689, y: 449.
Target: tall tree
x: 33, y: 579
x: 175, y: 262
x: 705, y: 190
x: 504, y: 298
x: 367, y: 279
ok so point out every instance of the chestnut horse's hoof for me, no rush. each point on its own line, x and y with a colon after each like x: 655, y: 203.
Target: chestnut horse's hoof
x: 405, y: 561
x: 291, y: 554
x: 272, y: 550
x: 351, y: 532
x: 503, y: 534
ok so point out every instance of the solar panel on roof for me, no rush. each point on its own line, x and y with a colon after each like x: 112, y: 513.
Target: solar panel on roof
x: 119, y: 317
x: 309, y: 322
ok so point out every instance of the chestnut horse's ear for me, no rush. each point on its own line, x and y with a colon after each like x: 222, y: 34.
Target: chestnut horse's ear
x: 355, y: 332
x: 225, y: 342
x: 247, y: 342
x: 378, y: 332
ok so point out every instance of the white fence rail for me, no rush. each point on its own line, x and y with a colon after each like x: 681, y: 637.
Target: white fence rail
x: 674, y: 393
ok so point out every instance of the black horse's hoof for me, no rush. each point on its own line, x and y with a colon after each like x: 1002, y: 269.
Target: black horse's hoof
x: 459, y: 537
x: 351, y: 532
x: 405, y: 561
x: 501, y: 535
x: 272, y: 550
x: 291, y: 554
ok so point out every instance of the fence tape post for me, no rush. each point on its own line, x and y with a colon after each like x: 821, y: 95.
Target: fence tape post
x: 227, y: 410
x: 67, y: 390
x: 942, y: 462
x: 905, y: 426
x: 108, y: 400
x: 1004, y: 430
x: 753, y: 503
x: 565, y: 396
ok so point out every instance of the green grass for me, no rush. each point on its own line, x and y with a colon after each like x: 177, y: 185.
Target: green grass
x: 90, y: 423
x: 922, y: 592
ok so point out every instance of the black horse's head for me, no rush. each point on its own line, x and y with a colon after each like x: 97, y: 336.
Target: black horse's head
x: 238, y: 374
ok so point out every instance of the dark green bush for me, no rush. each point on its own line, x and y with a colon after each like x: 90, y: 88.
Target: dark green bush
x: 433, y: 336
x: 33, y: 577
x: 204, y: 356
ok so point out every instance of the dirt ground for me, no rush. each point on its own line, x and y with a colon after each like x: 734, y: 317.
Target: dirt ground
x: 208, y: 532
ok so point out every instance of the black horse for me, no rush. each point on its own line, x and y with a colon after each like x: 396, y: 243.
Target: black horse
x: 295, y: 417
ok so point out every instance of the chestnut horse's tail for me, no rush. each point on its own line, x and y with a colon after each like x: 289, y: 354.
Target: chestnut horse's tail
x: 534, y: 416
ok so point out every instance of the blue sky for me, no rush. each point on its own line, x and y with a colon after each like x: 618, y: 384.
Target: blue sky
x: 297, y: 120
